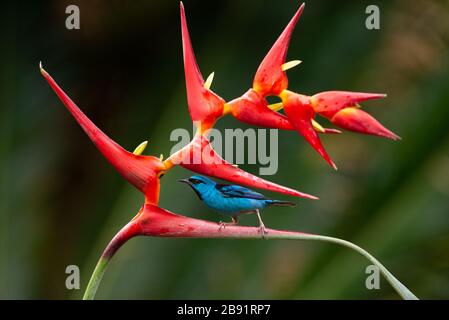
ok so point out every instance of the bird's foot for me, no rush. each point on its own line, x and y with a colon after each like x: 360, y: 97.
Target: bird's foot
x: 263, y: 231
x: 224, y: 224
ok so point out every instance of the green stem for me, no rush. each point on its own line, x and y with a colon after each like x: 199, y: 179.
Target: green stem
x: 126, y: 233
x: 95, y: 279
x: 402, y: 290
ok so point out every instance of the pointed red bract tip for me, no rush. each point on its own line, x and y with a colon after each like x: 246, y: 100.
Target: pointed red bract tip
x: 205, y: 106
x: 357, y: 120
x: 300, y: 113
x: 328, y: 103
x: 252, y: 108
x: 199, y: 156
x: 270, y: 79
x: 140, y: 171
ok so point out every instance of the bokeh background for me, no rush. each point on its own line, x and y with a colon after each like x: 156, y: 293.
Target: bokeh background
x: 61, y: 202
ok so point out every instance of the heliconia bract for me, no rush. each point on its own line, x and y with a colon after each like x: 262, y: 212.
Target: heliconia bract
x: 270, y: 77
x: 141, y: 171
x: 205, y: 106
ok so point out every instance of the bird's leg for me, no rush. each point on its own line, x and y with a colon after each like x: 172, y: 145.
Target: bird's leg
x: 262, y: 229
x: 224, y: 224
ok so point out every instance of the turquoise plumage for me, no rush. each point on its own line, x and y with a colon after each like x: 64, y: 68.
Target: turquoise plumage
x: 231, y: 200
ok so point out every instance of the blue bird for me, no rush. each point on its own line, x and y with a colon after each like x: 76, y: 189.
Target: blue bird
x: 232, y: 200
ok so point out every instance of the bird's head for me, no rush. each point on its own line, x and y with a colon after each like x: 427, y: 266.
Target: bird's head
x: 199, y: 183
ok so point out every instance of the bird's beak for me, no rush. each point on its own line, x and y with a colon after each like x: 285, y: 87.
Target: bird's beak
x: 185, y: 181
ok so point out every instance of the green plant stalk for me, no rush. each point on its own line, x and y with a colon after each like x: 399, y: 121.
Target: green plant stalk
x: 126, y: 233
x: 113, y: 246
x: 401, y: 289
x: 95, y: 279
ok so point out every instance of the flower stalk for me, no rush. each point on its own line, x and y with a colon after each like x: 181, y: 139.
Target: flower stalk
x: 157, y: 222
x: 127, y: 232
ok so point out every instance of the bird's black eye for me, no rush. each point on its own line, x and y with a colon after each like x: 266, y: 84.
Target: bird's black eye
x: 195, y: 181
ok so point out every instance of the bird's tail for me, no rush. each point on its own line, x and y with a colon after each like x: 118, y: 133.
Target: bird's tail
x: 281, y: 203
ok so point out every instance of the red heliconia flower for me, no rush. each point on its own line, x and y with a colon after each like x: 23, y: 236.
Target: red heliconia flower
x: 252, y: 108
x: 342, y: 109
x: 270, y: 77
x: 144, y: 171
x: 141, y: 171
x: 300, y: 113
x: 205, y: 106
x: 199, y: 156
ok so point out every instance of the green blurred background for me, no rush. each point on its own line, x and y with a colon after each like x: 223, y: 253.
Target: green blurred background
x: 61, y: 202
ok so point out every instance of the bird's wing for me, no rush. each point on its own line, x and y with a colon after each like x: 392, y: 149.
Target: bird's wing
x: 233, y: 191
